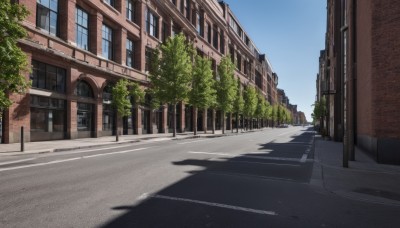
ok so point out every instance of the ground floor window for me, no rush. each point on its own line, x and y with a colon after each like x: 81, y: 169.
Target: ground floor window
x: 108, y: 118
x: 47, y: 116
x: 85, y: 117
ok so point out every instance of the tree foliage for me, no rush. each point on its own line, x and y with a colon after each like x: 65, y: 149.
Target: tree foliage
x: 226, y: 85
x: 170, y: 70
x: 13, y: 61
x: 120, y: 98
x: 202, y: 94
x: 238, y: 104
x: 261, y: 106
x: 250, y: 101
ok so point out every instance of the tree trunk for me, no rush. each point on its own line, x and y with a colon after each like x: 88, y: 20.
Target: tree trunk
x: 237, y: 122
x: 174, y: 121
x: 194, y: 120
x: 205, y: 119
x: 116, y: 129
x: 223, y: 122
x: 213, y: 121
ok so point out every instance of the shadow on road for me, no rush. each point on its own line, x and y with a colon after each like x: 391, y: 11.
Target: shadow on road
x: 228, y: 192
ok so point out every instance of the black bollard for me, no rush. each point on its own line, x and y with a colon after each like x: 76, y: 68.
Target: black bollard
x: 22, y: 139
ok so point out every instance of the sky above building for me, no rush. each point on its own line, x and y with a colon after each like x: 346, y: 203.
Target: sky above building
x: 291, y: 33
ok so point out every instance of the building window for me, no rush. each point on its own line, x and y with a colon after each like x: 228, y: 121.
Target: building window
x: 164, y: 32
x: 108, y: 111
x: 82, y: 29
x: 152, y: 23
x: 130, y: 10
x: 47, y: 114
x: 200, y: 23
x: 239, y: 62
x: 47, y: 15
x: 222, y: 42
x: 209, y: 32
x: 183, y: 6
x: 130, y: 53
x: 174, y: 2
x: 110, y: 2
x: 84, y: 117
x: 48, y: 77
x: 107, y: 42
x: 83, y: 89
x: 187, y: 9
x: 215, y: 38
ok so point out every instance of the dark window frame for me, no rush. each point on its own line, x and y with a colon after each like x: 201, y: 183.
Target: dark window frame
x: 130, y: 10
x: 41, y: 77
x: 107, y: 37
x: 80, y: 28
x: 152, y: 23
x: 130, y: 53
x: 51, y: 11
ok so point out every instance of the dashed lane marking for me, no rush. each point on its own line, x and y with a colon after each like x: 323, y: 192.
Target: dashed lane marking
x: 70, y: 159
x: 212, y: 204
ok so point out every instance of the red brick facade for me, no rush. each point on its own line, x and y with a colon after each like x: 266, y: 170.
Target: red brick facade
x: 61, y: 50
x: 367, y: 74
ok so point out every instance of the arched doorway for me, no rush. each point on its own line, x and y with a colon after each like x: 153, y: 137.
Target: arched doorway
x: 109, y: 121
x: 85, y: 110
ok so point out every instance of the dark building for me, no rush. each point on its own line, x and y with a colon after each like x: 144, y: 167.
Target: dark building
x: 362, y: 72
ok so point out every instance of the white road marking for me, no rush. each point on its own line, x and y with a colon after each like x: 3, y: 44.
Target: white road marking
x: 212, y: 204
x: 268, y: 178
x: 69, y: 159
x: 245, y: 156
x: 16, y: 161
x: 107, y: 148
x: 193, y: 141
x: 264, y: 163
x: 304, y: 158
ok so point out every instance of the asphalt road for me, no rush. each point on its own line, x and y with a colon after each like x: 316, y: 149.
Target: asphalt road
x: 256, y: 179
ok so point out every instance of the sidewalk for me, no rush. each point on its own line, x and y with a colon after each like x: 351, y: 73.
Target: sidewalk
x: 14, y: 149
x: 364, y: 180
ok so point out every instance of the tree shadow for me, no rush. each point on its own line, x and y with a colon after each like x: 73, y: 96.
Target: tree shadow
x: 219, y: 194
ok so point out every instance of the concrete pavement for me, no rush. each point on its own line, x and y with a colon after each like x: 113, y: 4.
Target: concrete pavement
x: 364, y: 180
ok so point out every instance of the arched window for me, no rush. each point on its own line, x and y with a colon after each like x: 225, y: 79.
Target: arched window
x: 83, y: 89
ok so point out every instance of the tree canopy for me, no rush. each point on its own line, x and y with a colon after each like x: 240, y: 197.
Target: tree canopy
x: 226, y: 87
x: 13, y: 61
x: 170, y: 70
x: 202, y: 94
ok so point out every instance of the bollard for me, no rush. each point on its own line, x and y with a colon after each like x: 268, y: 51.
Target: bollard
x: 22, y: 139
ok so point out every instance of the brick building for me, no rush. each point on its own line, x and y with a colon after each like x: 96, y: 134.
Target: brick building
x: 79, y: 48
x: 362, y: 73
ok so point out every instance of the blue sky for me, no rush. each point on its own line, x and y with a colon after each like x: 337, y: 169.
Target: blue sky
x: 291, y: 33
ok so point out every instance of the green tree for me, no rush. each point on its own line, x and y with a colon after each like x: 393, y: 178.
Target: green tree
x: 171, y: 72
x: 260, y: 110
x: 226, y: 87
x: 250, y: 104
x: 319, y: 113
x: 203, y: 92
x: 238, y: 104
x: 123, y: 93
x: 13, y: 61
x: 274, y: 114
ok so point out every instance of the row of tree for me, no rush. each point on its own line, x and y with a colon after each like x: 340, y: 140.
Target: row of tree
x: 178, y: 74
